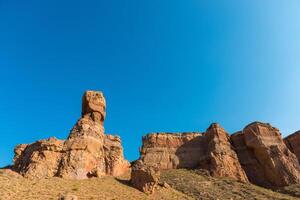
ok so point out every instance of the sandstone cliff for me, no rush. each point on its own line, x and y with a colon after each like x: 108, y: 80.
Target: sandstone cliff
x: 172, y: 151
x: 220, y: 158
x: 87, y: 152
x: 293, y: 143
x: 258, y: 153
x: 264, y: 156
x: 211, y: 151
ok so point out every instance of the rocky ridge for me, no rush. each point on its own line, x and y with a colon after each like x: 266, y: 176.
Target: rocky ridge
x: 257, y: 154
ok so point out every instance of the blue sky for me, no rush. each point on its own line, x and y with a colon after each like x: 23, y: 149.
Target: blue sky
x: 163, y: 66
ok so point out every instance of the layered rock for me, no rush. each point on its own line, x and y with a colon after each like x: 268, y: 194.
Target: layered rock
x: 172, y: 151
x: 145, y: 177
x: 293, y: 143
x: 40, y: 159
x: 257, y: 154
x: 115, y: 164
x: 264, y: 156
x: 252, y: 167
x: 87, y: 152
x: 219, y: 157
x: 211, y: 151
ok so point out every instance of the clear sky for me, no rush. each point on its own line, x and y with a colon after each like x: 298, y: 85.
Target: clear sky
x: 167, y: 65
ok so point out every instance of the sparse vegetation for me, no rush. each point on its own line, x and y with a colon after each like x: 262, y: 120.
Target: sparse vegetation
x: 185, y: 184
x: 200, y: 186
x: 105, y: 188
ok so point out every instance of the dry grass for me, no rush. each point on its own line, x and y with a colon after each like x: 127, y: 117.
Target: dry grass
x: 293, y: 190
x: 186, y: 184
x: 105, y: 188
x: 200, y: 186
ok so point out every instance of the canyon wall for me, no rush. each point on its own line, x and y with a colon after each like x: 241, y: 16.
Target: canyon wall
x: 211, y: 151
x: 257, y: 154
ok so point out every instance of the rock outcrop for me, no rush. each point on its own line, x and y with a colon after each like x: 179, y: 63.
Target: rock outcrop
x: 219, y: 157
x: 211, y: 151
x: 86, y: 153
x: 257, y: 154
x: 145, y: 177
x: 40, y: 159
x: 171, y: 151
x: 249, y: 163
x: 293, y: 143
x: 264, y: 156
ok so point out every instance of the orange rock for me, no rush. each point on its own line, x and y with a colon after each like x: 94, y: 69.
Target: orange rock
x: 87, y: 152
x: 265, y: 158
x: 248, y: 161
x: 172, y: 151
x: 145, y: 177
x: 211, y: 150
x: 115, y: 163
x: 40, y: 159
x: 219, y: 157
x: 293, y: 143
x: 94, y: 102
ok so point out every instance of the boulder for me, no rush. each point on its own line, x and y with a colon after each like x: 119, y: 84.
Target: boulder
x: 86, y: 153
x: 144, y: 177
x: 94, y: 102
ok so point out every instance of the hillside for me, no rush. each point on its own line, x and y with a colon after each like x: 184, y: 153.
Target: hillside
x: 104, y: 188
x: 197, y: 185
x: 184, y: 184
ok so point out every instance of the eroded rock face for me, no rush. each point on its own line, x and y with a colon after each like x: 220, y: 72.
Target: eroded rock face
x: 257, y: 154
x: 145, y: 177
x: 248, y: 161
x: 293, y: 143
x: 113, y: 155
x: 171, y: 151
x: 219, y: 157
x: 265, y: 158
x: 86, y: 153
x: 40, y: 159
x: 211, y: 151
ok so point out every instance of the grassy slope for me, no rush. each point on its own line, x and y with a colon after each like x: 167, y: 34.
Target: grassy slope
x: 203, y: 187
x: 97, y: 188
x: 186, y: 185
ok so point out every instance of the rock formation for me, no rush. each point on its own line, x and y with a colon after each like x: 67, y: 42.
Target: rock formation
x: 211, y: 150
x: 258, y: 153
x: 265, y: 158
x: 87, y: 152
x: 293, y: 143
x: 249, y: 163
x: 144, y: 177
x: 40, y: 159
x: 171, y: 151
x: 219, y: 157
